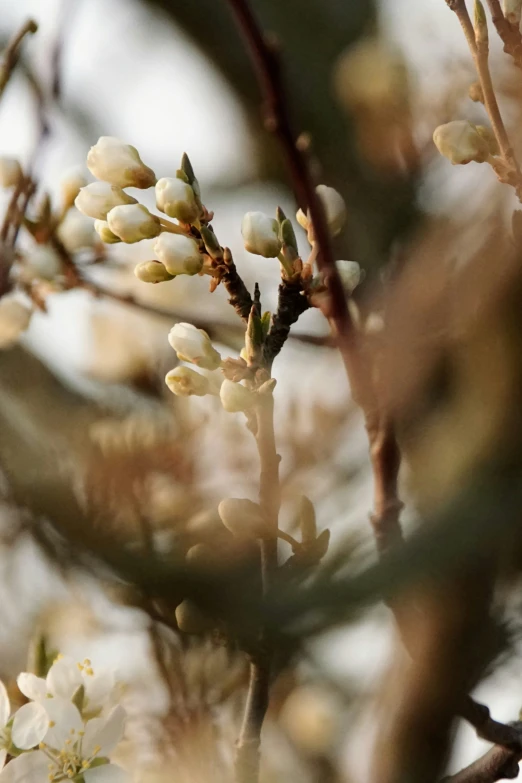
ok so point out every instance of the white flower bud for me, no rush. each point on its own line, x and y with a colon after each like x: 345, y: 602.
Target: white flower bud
x: 70, y: 186
x: 180, y: 254
x: 132, y: 223
x: 513, y: 11
x: 14, y: 319
x: 97, y: 199
x: 261, y: 234
x: 185, y: 382
x: 334, y: 208
x: 111, y: 160
x: 191, y: 619
x: 350, y: 273
x: 152, y: 272
x: 235, y: 398
x: 176, y: 199
x: 10, y: 172
x: 460, y: 142
x: 42, y: 262
x: 76, y: 231
x: 193, y: 345
x: 106, y: 235
x: 242, y: 517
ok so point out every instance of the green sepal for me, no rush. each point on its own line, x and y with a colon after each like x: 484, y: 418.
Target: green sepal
x: 186, y: 167
x: 288, y: 235
x: 307, y: 521
x: 266, y: 321
x: 180, y: 174
x: 280, y: 215
x: 211, y: 243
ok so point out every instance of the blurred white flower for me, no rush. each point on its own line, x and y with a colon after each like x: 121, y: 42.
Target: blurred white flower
x: 185, y: 382
x: 43, y: 262
x: 242, y: 517
x: 10, y: 172
x: 14, y: 319
x: 235, y: 398
x: 460, y: 142
x: 176, y: 199
x: 261, y: 234
x: 152, y: 272
x: 194, y: 345
x: 111, y: 160
x: 97, y: 199
x: 133, y: 222
x: 29, y: 726
x: 350, y: 273
x: 334, y: 208
x: 76, y: 232
x: 179, y: 254
x: 70, y: 185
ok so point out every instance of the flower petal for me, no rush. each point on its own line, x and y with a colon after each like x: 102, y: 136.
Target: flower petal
x: 27, y: 768
x: 98, y: 688
x: 33, y: 687
x: 66, y: 722
x: 30, y: 725
x: 5, y: 706
x: 64, y: 678
x: 103, y: 734
x: 107, y: 773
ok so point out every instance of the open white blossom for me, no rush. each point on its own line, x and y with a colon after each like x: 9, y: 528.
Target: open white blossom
x: 179, y: 254
x: 10, y: 172
x: 194, y: 345
x: 14, y: 319
x: 176, y: 199
x: 261, y: 234
x: 76, y: 232
x: 133, y: 222
x: 185, y: 382
x: 29, y: 726
x: 111, y: 160
x: 97, y: 199
x: 334, y: 208
x: 460, y: 142
x: 236, y: 398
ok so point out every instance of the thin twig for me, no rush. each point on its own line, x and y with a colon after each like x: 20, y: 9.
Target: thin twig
x: 487, y: 728
x: 497, y: 764
x: 509, y: 33
x: 11, y: 53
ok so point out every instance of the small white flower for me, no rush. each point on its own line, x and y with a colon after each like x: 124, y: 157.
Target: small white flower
x: 43, y: 262
x: 152, y: 272
x: 350, y: 273
x: 133, y: 222
x: 185, y: 382
x: 70, y: 185
x: 111, y: 160
x: 10, y: 172
x: 235, y: 398
x: 97, y: 199
x: 460, y: 142
x: 176, y: 199
x: 106, y: 235
x: 194, y: 345
x: 76, y: 232
x: 242, y: 517
x: 334, y: 208
x: 179, y: 254
x: 14, y: 319
x: 29, y: 727
x: 261, y: 234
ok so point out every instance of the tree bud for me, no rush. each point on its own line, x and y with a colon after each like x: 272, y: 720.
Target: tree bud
x: 261, y: 234
x: 243, y: 518
x: 111, y: 160
x: 179, y: 254
x: 194, y: 345
x: 460, y: 142
x: 152, y: 272
x: 133, y: 222
x: 176, y: 199
x: 185, y: 382
x: 97, y: 199
x: 106, y: 235
x: 236, y: 398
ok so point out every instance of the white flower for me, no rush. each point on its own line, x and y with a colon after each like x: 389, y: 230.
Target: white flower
x: 152, y: 272
x: 64, y: 679
x: 72, y: 748
x: 29, y: 727
x: 513, y: 11
x: 14, y: 319
x: 43, y: 262
x: 76, y: 232
x: 350, y: 273
x: 235, y: 397
x: 185, y: 382
x: 176, y: 199
x: 460, y: 142
x: 194, y: 345
x: 334, y: 208
x: 70, y: 186
x: 111, y: 160
x: 106, y: 235
x: 97, y: 199
x: 242, y: 517
x: 133, y: 222
x: 261, y: 234
x: 180, y: 254
x: 10, y: 172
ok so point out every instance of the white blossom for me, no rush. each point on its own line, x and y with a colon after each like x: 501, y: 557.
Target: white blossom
x: 76, y: 232
x: 236, y: 398
x: 179, y: 254
x: 97, y: 199
x: 176, y: 199
x: 10, y: 172
x: 14, y: 319
x: 106, y: 235
x: 242, y: 517
x: 184, y: 382
x: 152, y: 272
x: 29, y: 726
x: 133, y: 222
x: 334, y: 208
x: 111, y: 160
x: 261, y: 234
x: 194, y: 345
x: 460, y: 142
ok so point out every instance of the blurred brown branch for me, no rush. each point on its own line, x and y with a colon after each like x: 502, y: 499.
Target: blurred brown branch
x: 12, y: 52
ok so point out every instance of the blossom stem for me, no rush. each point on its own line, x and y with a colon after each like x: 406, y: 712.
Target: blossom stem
x: 173, y: 228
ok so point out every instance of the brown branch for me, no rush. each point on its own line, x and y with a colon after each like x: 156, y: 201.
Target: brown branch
x: 498, y: 763
x: 509, y: 33
x: 12, y: 52
x: 240, y: 298
x: 487, y: 728
x: 290, y: 305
